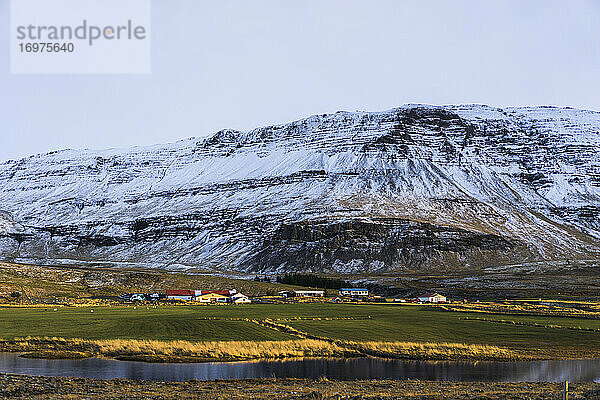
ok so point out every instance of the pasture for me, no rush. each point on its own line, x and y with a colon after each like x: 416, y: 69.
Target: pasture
x: 527, y: 336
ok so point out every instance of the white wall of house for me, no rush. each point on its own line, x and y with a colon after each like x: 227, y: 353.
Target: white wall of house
x: 176, y: 297
x: 433, y: 299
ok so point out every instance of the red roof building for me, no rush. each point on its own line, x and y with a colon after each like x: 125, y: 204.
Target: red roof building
x: 175, y: 292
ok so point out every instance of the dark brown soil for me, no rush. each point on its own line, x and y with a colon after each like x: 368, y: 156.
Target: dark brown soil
x: 29, y: 387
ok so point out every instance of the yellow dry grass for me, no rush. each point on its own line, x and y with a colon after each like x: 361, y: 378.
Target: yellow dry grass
x: 222, y: 350
x: 435, y: 351
x: 153, y: 350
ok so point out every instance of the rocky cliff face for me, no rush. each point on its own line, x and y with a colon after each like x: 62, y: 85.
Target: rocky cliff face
x: 417, y: 188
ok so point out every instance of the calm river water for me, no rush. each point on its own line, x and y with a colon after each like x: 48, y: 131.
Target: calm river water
x: 354, y: 368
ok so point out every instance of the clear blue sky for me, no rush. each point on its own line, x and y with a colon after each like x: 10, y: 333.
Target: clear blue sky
x: 241, y: 64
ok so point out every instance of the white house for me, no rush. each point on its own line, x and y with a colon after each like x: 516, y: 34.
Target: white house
x: 239, y: 298
x: 354, y: 292
x: 432, y: 298
x: 309, y: 293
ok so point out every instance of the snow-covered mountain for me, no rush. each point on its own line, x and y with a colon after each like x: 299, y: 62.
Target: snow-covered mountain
x: 422, y: 188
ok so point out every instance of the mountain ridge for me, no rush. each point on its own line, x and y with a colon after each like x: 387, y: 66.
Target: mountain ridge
x: 240, y: 132
x: 412, y: 188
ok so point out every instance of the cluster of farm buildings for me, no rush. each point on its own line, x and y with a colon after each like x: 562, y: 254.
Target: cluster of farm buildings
x: 361, y: 293
x: 349, y: 292
x: 233, y: 296
x: 202, y: 296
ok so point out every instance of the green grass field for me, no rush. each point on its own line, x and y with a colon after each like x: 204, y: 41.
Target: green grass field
x: 384, y: 323
x: 424, y: 325
x: 163, y: 323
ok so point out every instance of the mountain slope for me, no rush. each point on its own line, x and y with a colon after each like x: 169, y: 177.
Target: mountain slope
x: 414, y: 188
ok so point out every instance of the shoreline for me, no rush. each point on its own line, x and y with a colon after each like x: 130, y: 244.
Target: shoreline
x: 46, y: 355
x: 192, y: 360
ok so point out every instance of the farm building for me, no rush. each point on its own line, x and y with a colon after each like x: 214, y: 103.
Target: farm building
x: 302, y: 293
x: 354, y: 292
x: 239, y: 298
x: 227, y: 293
x: 212, y: 297
x: 432, y: 298
x: 185, y: 295
x: 309, y: 293
x: 133, y: 297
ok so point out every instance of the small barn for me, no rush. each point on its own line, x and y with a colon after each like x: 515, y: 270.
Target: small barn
x: 432, y: 298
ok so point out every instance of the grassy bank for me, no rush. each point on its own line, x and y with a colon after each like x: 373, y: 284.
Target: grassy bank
x: 30, y: 387
x: 184, y: 351
x: 173, y: 351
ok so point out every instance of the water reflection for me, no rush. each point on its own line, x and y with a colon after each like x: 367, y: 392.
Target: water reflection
x: 356, y: 368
